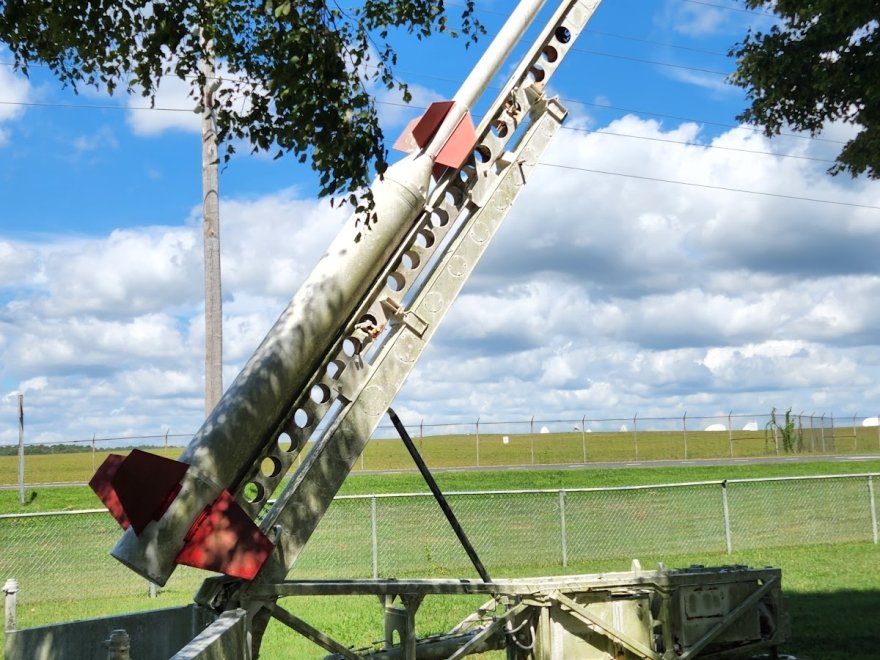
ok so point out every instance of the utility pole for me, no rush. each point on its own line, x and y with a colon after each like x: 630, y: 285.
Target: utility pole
x: 211, y: 233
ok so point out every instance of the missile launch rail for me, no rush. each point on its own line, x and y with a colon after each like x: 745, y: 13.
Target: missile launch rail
x: 326, y: 375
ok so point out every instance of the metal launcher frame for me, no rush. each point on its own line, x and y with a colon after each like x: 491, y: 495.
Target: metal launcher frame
x: 327, y: 374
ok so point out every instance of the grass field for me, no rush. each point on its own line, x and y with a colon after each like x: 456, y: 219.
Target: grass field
x: 831, y: 593
x: 536, y: 449
x: 67, y: 498
x: 831, y: 590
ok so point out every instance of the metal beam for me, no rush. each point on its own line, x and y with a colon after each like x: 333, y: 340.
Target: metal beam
x: 310, y: 632
x: 581, y: 613
x: 438, y: 495
x: 488, y: 631
x: 729, y: 619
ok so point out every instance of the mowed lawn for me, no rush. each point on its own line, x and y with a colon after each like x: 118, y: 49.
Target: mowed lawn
x: 831, y: 593
x: 491, y: 450
x: 831, y: 589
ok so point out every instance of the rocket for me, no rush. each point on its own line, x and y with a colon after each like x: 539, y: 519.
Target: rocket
x: 183, y: 511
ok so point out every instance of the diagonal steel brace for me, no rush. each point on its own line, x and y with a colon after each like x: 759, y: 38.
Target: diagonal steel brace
x: 729, y: 620
x: 580, y: 612
x: 321, y: 639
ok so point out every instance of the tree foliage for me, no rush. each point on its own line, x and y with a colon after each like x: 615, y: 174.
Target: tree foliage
x: 819, y: 63
x: 296, y: 74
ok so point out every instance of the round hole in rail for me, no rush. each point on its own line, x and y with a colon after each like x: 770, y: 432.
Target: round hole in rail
x: 367, y: 321
x: 320, y: 393
x: 396, y: 281
x: 351, y: 346
x: 335, y: 369
x: 454, y: 196
x: 537, y: 73
x: 410, y: 259
x: 270, y: 467
x: 550, y: 54
x: 253, y: 492
x: 500, y: 128
x: 285, y: 443
x: 301, y: 418
x: 483, y: 154
x: 562, y: 34
x: 439, y: 218
x: 425, y: 238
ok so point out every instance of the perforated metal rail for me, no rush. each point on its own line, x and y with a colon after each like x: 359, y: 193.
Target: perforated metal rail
x: 349, y: 393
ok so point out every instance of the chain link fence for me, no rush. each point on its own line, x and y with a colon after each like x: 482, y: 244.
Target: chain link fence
x: 481, y: 443
x: 62, y: 559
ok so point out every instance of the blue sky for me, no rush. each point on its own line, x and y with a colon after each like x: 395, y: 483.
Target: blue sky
x: 607, y: 293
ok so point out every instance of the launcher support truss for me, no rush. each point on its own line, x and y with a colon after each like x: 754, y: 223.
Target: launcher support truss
x: 725, y: 612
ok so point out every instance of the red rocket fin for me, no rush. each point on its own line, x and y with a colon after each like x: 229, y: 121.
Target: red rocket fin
x: 100, y: 483
x: 225, y: 539
x: 460, y: 144
x: 420, y: 131
x: 138, y: 488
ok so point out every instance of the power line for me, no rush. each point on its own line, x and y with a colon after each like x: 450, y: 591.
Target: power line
x: 653, y: 62
x: 756, y: 152
x: 665, y: 44
x: 617, y: 56
x: 715, y: 5
x: 614, y: 35
x: 583, y: 169
x: 413, y: 107
x: 90, y: 106
x: 618, y: 108
x: 711, y: 187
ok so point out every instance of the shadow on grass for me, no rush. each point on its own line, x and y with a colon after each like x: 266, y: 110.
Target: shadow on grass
x: 833, y: 626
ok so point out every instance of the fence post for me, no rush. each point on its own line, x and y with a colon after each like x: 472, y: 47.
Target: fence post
x: 94, y: 467
x: 11, y: 591
x: 636, y: 433
x: 684, y: 426
x: 730, y: 432
x: 166, y: 438
x: 822, y: 432
x: 725, y: 506
x: 374, y: 535
x: 563, y: 536
x: 21, y: 449
x: 478, y: 442
x: 812, y: 433
x: 855, y: 435
x: 584, y: 436
x: 532, y: 437
x: 833, y: 438
x: 873, y: 508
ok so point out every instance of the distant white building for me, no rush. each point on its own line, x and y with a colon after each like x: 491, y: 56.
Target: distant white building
x: 871, y: 421
x: 751, y: 426
x: 716, y: 427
